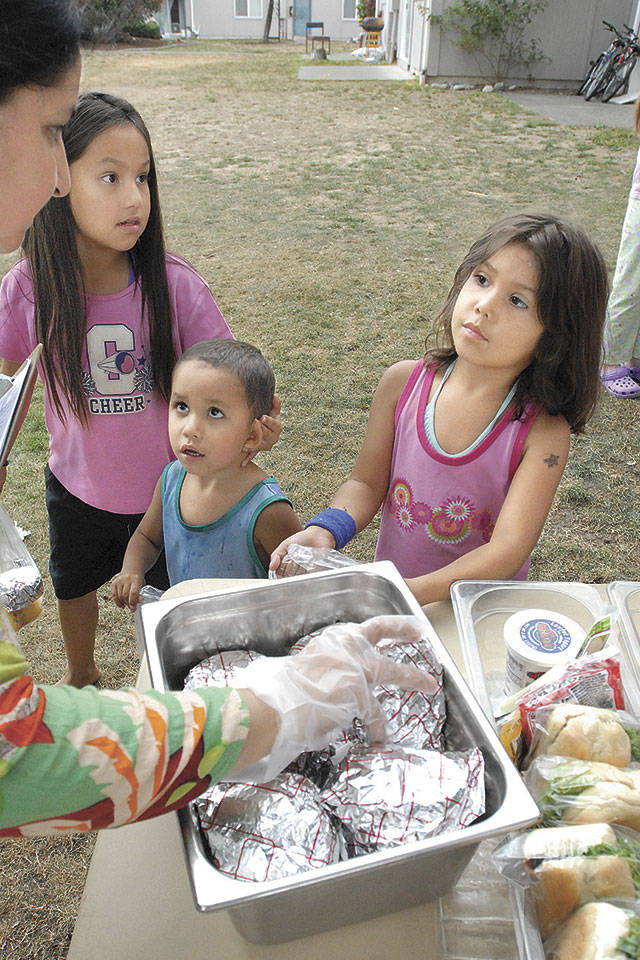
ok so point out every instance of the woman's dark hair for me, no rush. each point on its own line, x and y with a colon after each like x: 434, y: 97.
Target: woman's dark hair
x: 60, y: 298
x: 572, y: 298
x: 246, y: 362
x: 39, y: 40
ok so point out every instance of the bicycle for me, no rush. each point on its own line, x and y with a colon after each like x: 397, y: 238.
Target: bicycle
x: 600, y: 67
x: 621, y: 69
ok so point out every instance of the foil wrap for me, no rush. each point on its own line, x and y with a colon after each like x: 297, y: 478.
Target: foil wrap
x: 386, y: 798
x: 415, y: 719
x: 219, y: 669
x: 268, y: 831
x: 301, y: 642
x: 20, y: 586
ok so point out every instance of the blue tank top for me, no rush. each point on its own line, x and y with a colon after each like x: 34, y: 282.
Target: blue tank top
x: 223, y: 548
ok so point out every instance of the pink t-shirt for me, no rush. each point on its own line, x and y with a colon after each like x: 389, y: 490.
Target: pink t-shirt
x: 440, y: 507
x: 114, y: 462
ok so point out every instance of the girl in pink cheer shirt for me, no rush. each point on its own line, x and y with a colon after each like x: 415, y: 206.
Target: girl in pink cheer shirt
x: 465, y: 448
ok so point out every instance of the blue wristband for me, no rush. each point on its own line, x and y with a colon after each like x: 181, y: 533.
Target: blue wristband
x: 338, y: 522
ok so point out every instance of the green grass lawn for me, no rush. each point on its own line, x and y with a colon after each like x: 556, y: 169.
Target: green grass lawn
x: 328, y: 219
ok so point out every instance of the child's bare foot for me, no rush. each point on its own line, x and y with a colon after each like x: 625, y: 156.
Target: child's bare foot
x: 79, y: 679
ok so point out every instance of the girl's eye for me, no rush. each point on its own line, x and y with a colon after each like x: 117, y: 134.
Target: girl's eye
x: 143, y: 178
x: 481, y: 279
x: 518, y: 302
x: 181, y: 406
x: 216, y: 413
x: 109, y: 178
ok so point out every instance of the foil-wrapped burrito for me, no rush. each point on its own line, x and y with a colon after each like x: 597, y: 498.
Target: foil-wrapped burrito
x: 20, y: 586
x: 268, y: 831
x: 415, y: 719
x: 389, y: 797
x: 219, y: 669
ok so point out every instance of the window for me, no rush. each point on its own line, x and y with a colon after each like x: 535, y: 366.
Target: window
x: 249, y: 8
x: 349, y: 10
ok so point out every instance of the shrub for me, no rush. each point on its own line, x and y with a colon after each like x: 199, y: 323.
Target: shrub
x: 147, y: 29
x: 492, y: 32
x: 105, y: 20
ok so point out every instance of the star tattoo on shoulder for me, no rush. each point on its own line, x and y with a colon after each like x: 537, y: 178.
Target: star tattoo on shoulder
x: 551, y: 460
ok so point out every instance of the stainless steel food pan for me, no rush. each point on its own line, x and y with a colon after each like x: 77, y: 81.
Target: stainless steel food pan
x: 180, y: 633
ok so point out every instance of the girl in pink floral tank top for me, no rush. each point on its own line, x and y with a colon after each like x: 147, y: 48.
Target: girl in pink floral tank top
x: 439, y: 506
x: 465, y: 449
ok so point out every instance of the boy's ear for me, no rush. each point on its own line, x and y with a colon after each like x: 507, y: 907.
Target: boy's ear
x: 253, y: 441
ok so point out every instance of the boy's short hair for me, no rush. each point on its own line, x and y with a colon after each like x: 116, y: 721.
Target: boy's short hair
x: 244, y: 360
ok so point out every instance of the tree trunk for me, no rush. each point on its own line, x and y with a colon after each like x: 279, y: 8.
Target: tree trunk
x: 267, y: 22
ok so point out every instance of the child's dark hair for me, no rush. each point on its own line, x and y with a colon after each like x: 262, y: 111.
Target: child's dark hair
x: 51, y: 247
x: 39, y: 40
x: 572, y: 298
x: 244, y: 360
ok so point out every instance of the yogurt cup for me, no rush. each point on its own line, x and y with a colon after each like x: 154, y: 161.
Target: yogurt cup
x: 537, y: 640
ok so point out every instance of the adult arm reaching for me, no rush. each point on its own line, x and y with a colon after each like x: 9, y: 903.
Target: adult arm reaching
x: 86, y: 759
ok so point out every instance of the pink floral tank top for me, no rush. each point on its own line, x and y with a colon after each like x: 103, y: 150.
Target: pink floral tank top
x: 439, y: 507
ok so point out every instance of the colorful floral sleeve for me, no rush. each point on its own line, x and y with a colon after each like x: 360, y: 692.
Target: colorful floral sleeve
x: 87, y: 759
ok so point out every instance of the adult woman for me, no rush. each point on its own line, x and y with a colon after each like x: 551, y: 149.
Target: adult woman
x: 620, y: 372
x: 85, y: 759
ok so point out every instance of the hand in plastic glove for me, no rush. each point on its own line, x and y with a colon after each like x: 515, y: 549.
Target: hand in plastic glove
x: 317, y: 693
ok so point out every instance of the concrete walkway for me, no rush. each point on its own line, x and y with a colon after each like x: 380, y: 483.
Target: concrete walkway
x: 563, y: 108
x: 359, y: 71
x: 575, y: 111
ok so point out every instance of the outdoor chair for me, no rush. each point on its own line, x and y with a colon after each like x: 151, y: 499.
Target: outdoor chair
x: 316, y: 38
x: 370, y: 38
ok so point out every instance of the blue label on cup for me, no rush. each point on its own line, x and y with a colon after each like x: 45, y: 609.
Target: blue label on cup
x: 545, y: 636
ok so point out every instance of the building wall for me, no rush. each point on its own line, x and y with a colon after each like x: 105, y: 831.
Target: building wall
x: 570, y: 34
x: 216, y: 18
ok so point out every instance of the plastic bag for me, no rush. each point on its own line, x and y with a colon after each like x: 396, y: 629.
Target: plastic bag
x: 300, y: 559
x: 580, y: 791
x: 598, y: 930
x: 21, y: 584
x: 565, y: 867
x: 584, y: 733
x: 593, y: 680
x: 149, y: 594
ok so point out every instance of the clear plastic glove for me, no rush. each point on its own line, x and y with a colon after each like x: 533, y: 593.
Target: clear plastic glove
x: 318, y: 692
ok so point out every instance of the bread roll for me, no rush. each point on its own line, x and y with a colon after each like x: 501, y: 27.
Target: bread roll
x: 564, y: 885
x: 549, y: 843
x: 591, y: 933
x: 585, y: 733
x: 613, y: 802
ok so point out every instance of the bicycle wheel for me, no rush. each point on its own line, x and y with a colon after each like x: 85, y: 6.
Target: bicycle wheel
x: 589, y: 76
x: 619, y: 80
x: 600, y: 78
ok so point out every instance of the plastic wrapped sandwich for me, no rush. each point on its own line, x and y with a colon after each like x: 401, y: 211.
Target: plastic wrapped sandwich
x: 579, y: 791
x: 584, y: 733
x: 598, y: 931
x: 567, y: 867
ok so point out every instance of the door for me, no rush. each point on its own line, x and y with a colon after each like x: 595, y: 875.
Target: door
x: 301, y: 14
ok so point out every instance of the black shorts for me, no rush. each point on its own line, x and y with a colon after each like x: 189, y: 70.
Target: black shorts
x: 87, y: 545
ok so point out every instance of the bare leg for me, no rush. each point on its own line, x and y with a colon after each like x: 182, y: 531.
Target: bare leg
x: 79, y: 622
